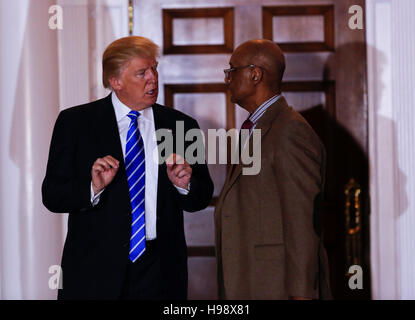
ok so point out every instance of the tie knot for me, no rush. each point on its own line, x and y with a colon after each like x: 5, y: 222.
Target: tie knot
x: 248, y: 124
x: 133, y: 115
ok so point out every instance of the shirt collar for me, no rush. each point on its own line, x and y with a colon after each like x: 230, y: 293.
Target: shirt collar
x: 121, y: 110
x: 254, y: 117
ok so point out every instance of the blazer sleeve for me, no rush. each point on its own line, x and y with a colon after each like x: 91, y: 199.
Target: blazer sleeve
x: 201, y: 185
x: 298, y: 173
x: 63, y: 190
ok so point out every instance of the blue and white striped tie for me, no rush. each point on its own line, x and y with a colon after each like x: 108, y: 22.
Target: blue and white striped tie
x: 136, y: 169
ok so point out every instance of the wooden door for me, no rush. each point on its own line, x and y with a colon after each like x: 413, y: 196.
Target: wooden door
x: 325, y: 80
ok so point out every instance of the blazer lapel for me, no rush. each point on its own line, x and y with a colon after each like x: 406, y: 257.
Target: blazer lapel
x: 264, y: 124
x: 161, y: 122
x: 107, y: 130
x: 108, y: 138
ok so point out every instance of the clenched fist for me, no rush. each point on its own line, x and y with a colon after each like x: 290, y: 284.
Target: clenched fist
x: 179, y: 171
x: 103, y: 172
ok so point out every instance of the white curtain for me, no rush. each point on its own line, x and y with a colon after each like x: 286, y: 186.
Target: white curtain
x: 42, y: 71
x: 391, y: 83
x: 30, y: 236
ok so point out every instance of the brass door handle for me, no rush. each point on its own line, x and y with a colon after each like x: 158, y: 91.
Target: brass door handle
x: 353, y: 223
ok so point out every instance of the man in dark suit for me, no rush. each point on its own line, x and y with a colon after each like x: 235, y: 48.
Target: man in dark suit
x: 125, y: 230
x: 268, y: 244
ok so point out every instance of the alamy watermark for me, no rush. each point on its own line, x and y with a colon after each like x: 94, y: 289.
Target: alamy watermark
x: 356, y: 20
x: 56, y: 280
x: 246, y: 152
x: 56, y: 20
x: 356, y: 278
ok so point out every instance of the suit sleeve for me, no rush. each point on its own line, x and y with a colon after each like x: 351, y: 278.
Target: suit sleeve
x: 298, y: 171
x: 63, y: 190
x: 201, y: 185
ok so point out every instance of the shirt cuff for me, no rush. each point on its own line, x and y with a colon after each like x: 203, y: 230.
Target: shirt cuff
x: 95, y: 198
x: 183, y: 191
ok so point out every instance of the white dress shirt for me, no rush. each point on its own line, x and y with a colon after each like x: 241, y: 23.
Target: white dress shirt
x: 148, y: 133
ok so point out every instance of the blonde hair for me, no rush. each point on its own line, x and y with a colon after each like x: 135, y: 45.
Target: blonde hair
x: 122, y: 51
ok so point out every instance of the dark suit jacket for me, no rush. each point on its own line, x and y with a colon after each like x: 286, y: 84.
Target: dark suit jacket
x: 268, y: 244
x: 95, y: 255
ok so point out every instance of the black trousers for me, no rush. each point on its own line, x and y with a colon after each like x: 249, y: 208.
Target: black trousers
x: 143, y: 277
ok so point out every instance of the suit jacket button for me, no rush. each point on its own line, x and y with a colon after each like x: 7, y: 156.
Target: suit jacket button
x: 125, y: 244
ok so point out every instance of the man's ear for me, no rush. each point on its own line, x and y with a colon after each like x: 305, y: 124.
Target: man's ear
x: 115, y: 83
x: 257, y: 75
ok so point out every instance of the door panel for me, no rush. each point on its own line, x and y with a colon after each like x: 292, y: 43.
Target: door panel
x: 325, y: 80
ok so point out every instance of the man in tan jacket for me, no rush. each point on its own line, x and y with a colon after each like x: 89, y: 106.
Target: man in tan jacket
x: 267, y: 241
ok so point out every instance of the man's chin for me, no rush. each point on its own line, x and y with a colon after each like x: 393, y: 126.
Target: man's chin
x: 151, y: 101
x: 154, y: 101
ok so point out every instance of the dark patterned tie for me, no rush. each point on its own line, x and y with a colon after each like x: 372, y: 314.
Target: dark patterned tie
x: 248, y: 124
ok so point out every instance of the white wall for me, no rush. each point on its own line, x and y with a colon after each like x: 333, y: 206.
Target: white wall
x: 391, y: 84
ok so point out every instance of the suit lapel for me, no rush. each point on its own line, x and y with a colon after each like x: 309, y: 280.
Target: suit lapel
x: 107, y: 129
x: 264, y: 124
x: 108, y: 138
x: 161, y: 122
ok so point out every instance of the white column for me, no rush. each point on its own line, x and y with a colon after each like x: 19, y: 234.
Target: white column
x: 89, y: 27
x: 110, y: 22
x: 391, y: 77
x: 74, y: 77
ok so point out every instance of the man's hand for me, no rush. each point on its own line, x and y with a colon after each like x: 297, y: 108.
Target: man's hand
x: 103, y: 172
x: 179, y: 171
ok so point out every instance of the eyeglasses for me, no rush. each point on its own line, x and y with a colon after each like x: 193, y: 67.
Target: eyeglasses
x: 228, y: 71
